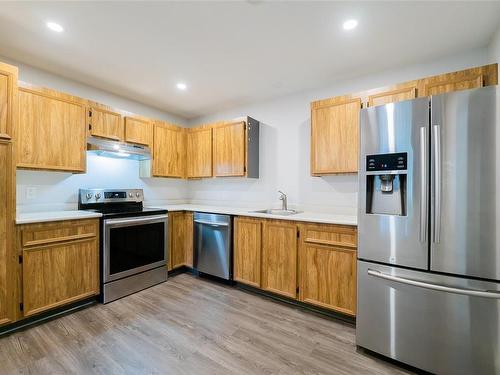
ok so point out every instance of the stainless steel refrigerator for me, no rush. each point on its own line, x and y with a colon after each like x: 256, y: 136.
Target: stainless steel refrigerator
x: 429, y: 252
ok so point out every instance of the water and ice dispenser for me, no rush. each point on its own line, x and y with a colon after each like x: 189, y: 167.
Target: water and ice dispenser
x: 386, y: 184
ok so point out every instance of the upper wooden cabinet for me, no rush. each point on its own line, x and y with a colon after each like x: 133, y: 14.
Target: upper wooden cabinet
x: 247, y: 250
x: 199, y: 152
x: 8, y: 95
x: 60, y: 263
x: 8, y: 262
x: 181, y: 239
x: 169, y: 151
x: 335, y: 135
x: 279, y: 257
x: 51, y: 132
x: 105, y: 123
x: 327, y: 259
x: 138, y: 131
x: 392, y: 94
x: 229, y: 149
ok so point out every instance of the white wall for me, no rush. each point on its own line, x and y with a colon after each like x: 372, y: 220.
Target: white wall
x: 58, y: 190
x: 285, y: 144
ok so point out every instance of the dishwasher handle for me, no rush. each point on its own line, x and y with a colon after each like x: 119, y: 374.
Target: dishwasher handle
x: 211, y: 223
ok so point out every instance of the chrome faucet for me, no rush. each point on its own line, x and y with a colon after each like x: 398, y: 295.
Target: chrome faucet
x: 283, y: 199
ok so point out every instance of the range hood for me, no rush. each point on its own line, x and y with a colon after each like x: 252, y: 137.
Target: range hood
x: 117, y: 150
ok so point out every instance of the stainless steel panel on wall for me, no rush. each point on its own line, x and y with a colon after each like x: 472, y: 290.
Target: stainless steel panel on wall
x: 447, y: 325
x: 212, y: 244
x: 396, y: 239
x: 464, y: 184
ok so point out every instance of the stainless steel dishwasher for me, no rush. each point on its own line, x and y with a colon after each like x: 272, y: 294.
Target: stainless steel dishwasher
x: 213, y: 245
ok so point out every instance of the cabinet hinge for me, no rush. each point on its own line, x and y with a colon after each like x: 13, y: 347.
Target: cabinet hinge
x: 21, y: 307
x: 20, y: 259
x: 298, y: 233
x: 297, y: 290
x: 90, y: 113
x: 90, y: 126
x: 245, y: 169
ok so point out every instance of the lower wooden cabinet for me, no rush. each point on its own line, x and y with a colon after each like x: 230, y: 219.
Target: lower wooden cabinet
x: 181, y: 239
x: 60, y: 263
x: 327, y: 258
x: 247, y: 251
x: 313, y: 263
x: 279, y: 257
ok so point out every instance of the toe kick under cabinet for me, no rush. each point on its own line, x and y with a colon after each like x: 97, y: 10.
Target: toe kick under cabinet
x: 59, y: 263
x: 312, y: 263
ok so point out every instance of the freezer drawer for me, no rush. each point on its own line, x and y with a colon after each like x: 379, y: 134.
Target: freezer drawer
x: 436, y: 330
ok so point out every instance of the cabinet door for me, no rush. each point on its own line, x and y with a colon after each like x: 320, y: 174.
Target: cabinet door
x: 7, y: 253
x: 105, y: 124
x: 327, y: 264
x: 461, y: 80
x: 52, y: 132
x: 169, y: 151
x: 335, y: 136
x: 138, y: 131
x: 8, y: 92
x: 181, y: 243
x: 59, y: 273
x: 229, y: 149
x: 393, y: 95
x: 247, y: 250
x: 279, y: 257
x: 199, y: 152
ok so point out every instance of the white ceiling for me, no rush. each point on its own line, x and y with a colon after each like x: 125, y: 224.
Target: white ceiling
x: 233, y: 53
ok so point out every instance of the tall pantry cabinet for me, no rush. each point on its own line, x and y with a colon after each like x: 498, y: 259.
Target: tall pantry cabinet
x: 8, y: 116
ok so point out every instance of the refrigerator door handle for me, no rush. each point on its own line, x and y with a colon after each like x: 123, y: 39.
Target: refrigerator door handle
x: 423, y: 185
x: 437, y: 183
x: 442, y: 288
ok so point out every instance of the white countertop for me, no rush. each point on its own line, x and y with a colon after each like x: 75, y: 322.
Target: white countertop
x: 314, y: 217
x: 40, y: 217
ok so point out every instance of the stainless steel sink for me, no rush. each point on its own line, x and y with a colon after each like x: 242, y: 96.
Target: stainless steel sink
x: 276, y: 211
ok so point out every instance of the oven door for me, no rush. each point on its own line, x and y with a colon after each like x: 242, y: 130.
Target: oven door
x: 133, y: 245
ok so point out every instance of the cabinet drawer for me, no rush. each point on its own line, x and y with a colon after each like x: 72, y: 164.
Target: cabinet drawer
x: 48, y: 233
x: 330, y: 235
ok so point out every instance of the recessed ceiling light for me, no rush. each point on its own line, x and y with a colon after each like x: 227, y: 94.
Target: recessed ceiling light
x: 181, y: 86
x: 55, y: 27
x: 350, y: 24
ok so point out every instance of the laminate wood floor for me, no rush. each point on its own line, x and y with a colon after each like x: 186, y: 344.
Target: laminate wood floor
x: 189, y: 326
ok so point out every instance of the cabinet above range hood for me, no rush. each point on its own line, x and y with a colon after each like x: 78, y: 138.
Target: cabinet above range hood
x: 117, y: 150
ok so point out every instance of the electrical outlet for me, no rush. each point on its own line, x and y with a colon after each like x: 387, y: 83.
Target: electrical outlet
x: 31, y: 192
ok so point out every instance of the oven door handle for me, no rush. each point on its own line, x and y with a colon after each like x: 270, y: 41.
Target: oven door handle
x: 134, y: 220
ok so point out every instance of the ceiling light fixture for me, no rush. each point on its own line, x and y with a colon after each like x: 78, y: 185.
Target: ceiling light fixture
x: 55, y: 27
x: 350, y: 24
x: 181, y: 86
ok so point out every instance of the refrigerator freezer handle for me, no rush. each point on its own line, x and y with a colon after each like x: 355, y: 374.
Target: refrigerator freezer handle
x: 441, y: 288
x: 423, y: 184
x: 437, y: 183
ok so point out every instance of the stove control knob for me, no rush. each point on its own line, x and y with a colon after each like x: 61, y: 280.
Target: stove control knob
x: 130, y: 195
x: 88, y: 196
x: 98, y: 196
x: 137, y: 194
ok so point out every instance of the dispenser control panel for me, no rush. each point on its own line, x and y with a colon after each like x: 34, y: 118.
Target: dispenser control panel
x: 387, y: 162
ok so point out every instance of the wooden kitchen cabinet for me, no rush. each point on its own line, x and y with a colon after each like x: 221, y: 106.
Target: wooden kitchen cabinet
x: 181, y: 239
x: 392, y: 94
x: 327, y: 264
x: 247, y: 251
x: 229, y: 142
x: 8, y: 95
x: 169, y: 151
x: 105, y: 123
x: 51, y: 131
x: 60, y: 263
x: 8, y: 264
x: 199, y: 152
x: 335, y: 135
x: 279, y: 257
x: 138, y: 131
